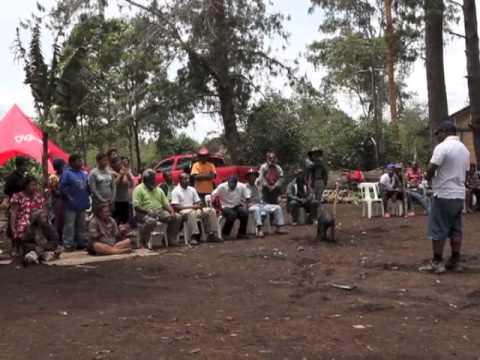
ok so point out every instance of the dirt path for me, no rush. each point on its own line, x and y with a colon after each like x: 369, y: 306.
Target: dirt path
x: 255, y: 299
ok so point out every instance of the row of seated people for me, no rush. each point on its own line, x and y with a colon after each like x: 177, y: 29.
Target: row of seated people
x: 39, y: 241
x: 236, y: 200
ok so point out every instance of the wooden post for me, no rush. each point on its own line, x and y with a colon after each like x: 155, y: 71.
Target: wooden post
x: 45, y: 158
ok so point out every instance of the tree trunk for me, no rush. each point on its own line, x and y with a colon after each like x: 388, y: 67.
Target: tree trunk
x: 136, y: 139
x: 224, y: 83
x: 84, y: 141
x: 473, y: 68
x: 130, y: 145
x: 232, y: 137
x: 391, y: 57
x: 437, y: 94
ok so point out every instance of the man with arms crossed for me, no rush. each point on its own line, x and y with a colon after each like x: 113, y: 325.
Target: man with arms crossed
x: 447, y: 172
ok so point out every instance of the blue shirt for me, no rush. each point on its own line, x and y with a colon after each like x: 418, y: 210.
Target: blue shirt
x: 74, y: 189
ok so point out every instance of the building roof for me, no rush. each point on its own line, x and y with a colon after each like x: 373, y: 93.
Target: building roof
x: 461, y: 111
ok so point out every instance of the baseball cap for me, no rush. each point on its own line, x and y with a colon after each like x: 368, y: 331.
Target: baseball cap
x: 446, y: 125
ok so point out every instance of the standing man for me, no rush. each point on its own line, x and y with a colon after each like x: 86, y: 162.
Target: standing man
x: 101, y: 182
x: 203, y: 172
x: 234, y: 198
x: 75, y: 192
x: 271, y: 179
x: 15, y: 182
x: 447, y: 171
x: 260, y: 208
x: 473, y: 188
x: 187, y: 202
x: 167, y: 187
x: 316, y: 173
x: 56, y: 197
x: 151, y: 205
x: 123, y: 182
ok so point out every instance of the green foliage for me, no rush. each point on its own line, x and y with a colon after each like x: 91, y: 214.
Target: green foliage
x: 34, y: 168
x: 221, y: 46
x: 274, y: 125
x: 176, y: 144
x: 341, y: 138
x: 291, y: 127
x: 414, y: 135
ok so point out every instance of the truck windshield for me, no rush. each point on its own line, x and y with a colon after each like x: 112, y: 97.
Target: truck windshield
x: 165, y: 166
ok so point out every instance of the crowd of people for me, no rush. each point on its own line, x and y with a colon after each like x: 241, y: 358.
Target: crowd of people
x: 108, y: 210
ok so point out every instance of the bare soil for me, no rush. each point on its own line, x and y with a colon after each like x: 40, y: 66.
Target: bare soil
x: 266, y: 298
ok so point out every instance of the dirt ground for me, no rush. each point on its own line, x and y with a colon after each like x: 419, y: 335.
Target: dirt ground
x: 255, y: 299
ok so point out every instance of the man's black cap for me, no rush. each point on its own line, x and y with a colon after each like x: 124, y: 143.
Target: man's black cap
x: 446, y: 125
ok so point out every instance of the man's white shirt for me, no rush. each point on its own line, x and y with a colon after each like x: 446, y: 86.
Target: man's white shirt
x: 388, y: 182
x: 232, y: 198
x: 185, y: 196
x: 453, y: 161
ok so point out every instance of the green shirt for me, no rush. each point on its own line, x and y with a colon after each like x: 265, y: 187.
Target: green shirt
x: 149, y: 200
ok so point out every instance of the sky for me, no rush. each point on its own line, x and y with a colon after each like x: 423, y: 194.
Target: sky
x: 303, y: 29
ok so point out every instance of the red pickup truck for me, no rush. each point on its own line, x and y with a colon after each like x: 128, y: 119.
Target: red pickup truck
x: 183, y: 163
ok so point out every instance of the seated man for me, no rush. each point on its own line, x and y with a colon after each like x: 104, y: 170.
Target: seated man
x: 105, y: 237
x: 151, y: 205
x: 414, y: 176
x: 40, y: 240
x: 234, y: 197
x: 473, y: 188
x: 411, y: 190
x: 259, y: 208
x: 186, y: 201
x: 300, y: 196
x: 389, y: 188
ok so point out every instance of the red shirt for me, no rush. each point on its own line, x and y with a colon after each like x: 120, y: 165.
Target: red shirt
x: 355, y: 176
x: 414, y: 177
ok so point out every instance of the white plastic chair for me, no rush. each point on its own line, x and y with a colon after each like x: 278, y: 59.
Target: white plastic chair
x: 370, y: 198
x: 252, y: 227
x: 158, y: 236
x: 187, y: 237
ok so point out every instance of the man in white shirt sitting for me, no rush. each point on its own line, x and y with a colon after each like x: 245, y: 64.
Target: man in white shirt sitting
x: 259, y: 208
x: 389, y: 188
x: 187, y: 202
x: 234, y: 198
x: 447, y: 171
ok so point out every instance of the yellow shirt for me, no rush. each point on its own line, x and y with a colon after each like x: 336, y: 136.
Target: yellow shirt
x: 203, y: 186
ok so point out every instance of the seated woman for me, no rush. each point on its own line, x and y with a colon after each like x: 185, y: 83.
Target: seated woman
x: 40, y: 241
x: 105, y: 237
x: 22, y: 205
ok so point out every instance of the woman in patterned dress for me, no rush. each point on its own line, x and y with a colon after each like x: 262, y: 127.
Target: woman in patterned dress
x: 21, y: 206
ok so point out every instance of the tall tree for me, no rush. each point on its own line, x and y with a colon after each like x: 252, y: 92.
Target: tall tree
x: 224, y: 44
x: 437, y: 93
x: 39, y: 75
x: 390, y: 60
x: 473, y: 68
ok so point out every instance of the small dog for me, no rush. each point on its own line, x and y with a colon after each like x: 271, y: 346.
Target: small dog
x: 326, y: 220
x: 326, y: 223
